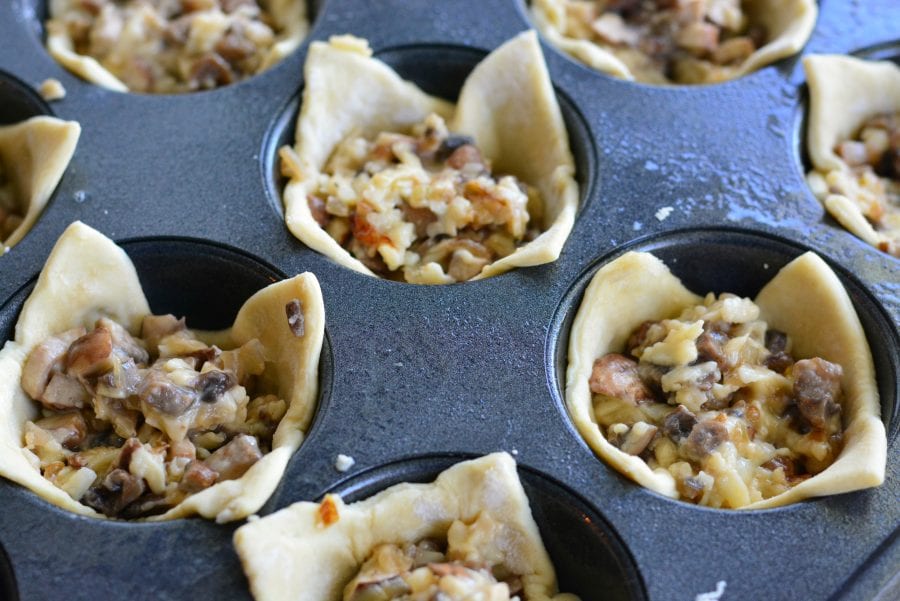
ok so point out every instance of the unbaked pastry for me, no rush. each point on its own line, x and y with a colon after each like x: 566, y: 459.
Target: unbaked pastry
x: 787, y: 25
x: 844, y: 93
x: 34, y: 155
x: 311, y: 551
x: 507, y: 105
x: 172, y: 46
x: 637, y: 287
x: 87, y: 276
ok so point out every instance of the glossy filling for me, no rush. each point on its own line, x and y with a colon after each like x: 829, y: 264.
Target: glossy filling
x: 132, y: 426
x: 460, y: 570
x: 715, y: 399
x: 872, y: 181
x: 423, y: 207
x: 669, y: 41
x: 169, y: 46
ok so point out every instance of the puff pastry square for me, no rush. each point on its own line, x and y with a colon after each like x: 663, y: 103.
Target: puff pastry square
x: 638, y: 287
x: 292, y: 554
x: 507, y: 105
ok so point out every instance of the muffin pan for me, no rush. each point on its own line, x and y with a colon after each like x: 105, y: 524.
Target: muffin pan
x: 709, y: 178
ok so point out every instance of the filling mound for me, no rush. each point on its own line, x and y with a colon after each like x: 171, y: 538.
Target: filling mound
x: 873, y: 180
x: 715, y: 398
x: 422, y: 208
x: 669, y: 41
x: 460, y: 570
x: 169, y: 46
x: 132, y: 426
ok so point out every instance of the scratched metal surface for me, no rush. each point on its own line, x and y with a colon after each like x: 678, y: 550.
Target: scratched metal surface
x: 414, y: 377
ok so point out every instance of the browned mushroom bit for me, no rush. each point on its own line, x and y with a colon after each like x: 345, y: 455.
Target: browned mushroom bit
x: 873, y: 180
x: 422, y: 207
x: 10, y: 206
x: 669, y: 41
x: 451, y: 570
x: 715, y: 398
x: 131, y: 426
x: 169, y: 46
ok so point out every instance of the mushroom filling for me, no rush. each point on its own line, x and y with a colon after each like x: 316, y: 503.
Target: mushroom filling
x: 430, y: 570
x: 715, y: 398
x: 169, y: 46
x: 669, y: 41
x: 873, y: 178
x: 10, y: 210
x: 424, y: 207
x: 131, y: 427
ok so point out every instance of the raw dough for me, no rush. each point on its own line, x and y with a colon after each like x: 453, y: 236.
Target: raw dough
x: 35, y: 154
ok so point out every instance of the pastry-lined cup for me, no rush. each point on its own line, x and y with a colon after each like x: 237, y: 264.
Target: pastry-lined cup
x: 638, y: 287
x: 507, y: 105
x: 844, y: 92
x: 87, y: 276
x: 585, y: 551
x: 35, y: 154
x: 789, y: 23
x: 291, y: 554
x: 288, y: 15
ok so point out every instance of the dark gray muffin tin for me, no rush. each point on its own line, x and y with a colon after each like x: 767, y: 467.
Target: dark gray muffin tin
x: 416, y: 378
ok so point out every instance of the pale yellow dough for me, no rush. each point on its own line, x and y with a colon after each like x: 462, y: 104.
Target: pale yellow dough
x: 507, y: 105
x: 35, y: 154
x: 638, y: 287
x: 789, y: 23
x: 87, y: 276
x: 287, y: 15
x: 844, y: 92
x: 291, y: 555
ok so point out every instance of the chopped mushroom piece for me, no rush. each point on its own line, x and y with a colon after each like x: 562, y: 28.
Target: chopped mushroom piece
x: 154, y: 420
x: 44, y: 360
x: 156, y: 327
x: 233, y: 459
x: 422, y: 206
x: 716, y: 414
x: 294, y: 311
x: 705, y: 437
x: 428, y: 570
x: 664, y: 41
x: 197, y: 477
x: 174, y: 46
x: 617, y: 376
x: 817, y: 388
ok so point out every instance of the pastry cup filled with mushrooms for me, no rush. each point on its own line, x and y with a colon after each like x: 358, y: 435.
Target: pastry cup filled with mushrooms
x: 34, y: 155
x: 108, y: 410
x: 676, y: 41
x: 853, y: 140
x: 172, y: 46
x: 723, y: 401
x: 389, y: 181
x: 467, y: 535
